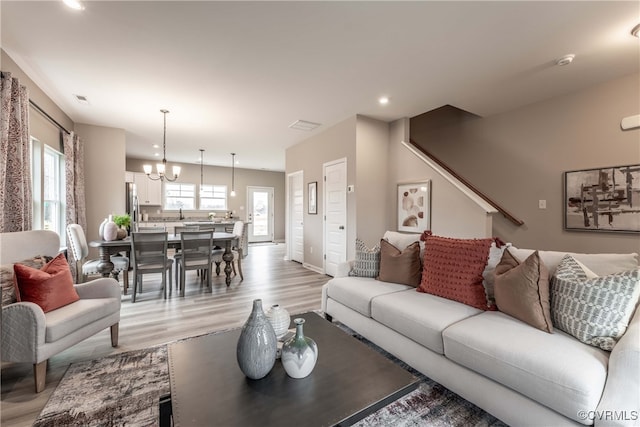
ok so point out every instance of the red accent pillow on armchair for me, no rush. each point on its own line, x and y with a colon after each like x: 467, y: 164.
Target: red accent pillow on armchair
x: 50, y: 287
x: 452, y: 269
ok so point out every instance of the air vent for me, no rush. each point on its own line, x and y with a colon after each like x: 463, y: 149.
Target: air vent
x: 304, y: 125
x: 82, y: 99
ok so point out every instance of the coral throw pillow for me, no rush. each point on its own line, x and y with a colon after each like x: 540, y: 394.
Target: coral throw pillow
x: 452, y: 269
x: 50, y: 287
x: 400, y: 266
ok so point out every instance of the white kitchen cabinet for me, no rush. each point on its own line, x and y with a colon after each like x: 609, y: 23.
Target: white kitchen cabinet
x: 149, y: 191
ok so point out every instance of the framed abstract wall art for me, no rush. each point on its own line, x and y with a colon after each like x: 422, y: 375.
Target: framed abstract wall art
x: 414, y: 206
x: 603, y: 199
x: 313, y: 198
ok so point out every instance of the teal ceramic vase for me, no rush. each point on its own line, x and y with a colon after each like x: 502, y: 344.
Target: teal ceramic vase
x: 299, y: 354
x: 257, y: 345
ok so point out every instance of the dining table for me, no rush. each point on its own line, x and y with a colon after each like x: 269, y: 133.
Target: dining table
x: 112, y: 247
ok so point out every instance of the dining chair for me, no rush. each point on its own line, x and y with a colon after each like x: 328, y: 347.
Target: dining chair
x: 195, y: 254
x: 149, y: 255
x: 239, y: 230
x: 84, y: 267
x: 177, y: 231
x: 206, y: 227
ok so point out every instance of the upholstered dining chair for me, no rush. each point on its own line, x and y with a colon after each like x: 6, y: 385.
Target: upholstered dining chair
x: 80, y: 250
x: 195, y: 254
x: 239, y: 230
x: 149, y: 255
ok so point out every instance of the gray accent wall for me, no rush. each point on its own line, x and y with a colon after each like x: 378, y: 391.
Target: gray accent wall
x: 518, y: 157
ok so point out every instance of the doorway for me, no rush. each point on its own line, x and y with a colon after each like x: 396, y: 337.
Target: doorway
x: 335, y: 214
x: 260, y: 214
x: 295, y: 238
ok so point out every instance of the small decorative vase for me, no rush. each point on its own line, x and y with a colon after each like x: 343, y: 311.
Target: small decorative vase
x: 299, y: 354
x: 257, y: 345
x: 280, y: 319
x: 101, y: 229
x: 122, y: 233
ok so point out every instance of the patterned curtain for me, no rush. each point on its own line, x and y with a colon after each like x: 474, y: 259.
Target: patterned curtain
x: 74, y: 182
x: 15, y: 166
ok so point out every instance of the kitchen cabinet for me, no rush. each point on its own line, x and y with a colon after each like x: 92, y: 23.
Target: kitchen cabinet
x: 149, y: 191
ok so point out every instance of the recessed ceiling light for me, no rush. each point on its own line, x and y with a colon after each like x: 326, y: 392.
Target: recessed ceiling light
x: 384, y: 100
x: 155, y: 146
x: 636, y: 31
x: 156, y: 154
x: 304, y: 125
x: 74, y: 4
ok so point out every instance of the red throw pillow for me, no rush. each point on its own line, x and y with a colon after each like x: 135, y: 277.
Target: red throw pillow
x: 50, y: 287
x: 452, y: 269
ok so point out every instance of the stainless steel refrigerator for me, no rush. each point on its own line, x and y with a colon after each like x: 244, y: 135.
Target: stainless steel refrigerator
x: 132, y: 205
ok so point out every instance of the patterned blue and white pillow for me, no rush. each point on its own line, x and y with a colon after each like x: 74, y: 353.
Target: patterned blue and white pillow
x: 367, y: 262
x: 595, y: 310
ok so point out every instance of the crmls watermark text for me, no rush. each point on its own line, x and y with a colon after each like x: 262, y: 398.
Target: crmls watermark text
x: 609, y: 415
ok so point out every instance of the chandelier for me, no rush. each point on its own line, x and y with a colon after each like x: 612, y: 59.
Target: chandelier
x: 161, y: 167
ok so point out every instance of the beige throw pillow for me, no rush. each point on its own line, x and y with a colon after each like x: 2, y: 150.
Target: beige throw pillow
x: 398, y: 266
x: 522, y: 290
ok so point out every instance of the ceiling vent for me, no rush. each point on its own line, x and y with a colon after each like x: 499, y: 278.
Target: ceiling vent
x: 304, y: 125
x: 82, y: 99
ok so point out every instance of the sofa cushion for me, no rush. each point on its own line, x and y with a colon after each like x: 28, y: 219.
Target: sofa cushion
x: 367, y: 262
x: 554, y: 369
x: 595, y: 310
x: 67, y: 319
x: 420, y: 317
x: 400, y: 265
x: 452, y: 269
x: 600, y: 264
x: 522, y: 290
x: 357, y: 292
x: 50, y: 287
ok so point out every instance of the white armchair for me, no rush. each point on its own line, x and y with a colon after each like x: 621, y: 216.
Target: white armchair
x: 31, y: 336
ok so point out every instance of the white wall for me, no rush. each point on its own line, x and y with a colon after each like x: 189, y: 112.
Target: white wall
x: 104, y: 162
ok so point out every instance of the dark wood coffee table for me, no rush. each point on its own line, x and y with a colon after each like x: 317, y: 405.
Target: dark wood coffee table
x: 350, y: 381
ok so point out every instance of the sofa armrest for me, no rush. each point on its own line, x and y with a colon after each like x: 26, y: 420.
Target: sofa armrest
x: 23, y: 331
x: 99, y: 288
x: 343, y: 268
x: 620, y: 402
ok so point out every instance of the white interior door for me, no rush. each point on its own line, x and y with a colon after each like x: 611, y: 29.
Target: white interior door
x: 260, y: 214
x: 335, y: 215
x: 296, y: 217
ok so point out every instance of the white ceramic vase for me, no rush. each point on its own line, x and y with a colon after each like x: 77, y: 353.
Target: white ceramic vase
x: 299, y: 354
x: 110, y: 231
x: 280, y: 319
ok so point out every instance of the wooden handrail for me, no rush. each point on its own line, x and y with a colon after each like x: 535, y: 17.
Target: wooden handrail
x: 473, y: 188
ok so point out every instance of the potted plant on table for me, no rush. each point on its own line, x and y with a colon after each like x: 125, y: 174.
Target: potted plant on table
x: 123, y: 222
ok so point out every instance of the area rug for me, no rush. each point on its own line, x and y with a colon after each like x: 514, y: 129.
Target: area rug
x: 124, y: 389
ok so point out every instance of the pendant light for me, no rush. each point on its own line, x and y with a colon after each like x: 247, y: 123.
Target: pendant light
x: 233, y: 175
x: 201, y: 168
x: 162, y: 167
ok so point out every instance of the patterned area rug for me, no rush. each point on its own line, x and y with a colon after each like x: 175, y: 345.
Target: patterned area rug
x: 124, y: 389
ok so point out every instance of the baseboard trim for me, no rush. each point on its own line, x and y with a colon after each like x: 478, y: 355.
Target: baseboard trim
x: 313, y: 268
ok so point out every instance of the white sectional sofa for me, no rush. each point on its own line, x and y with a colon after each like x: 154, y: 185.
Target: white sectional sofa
x: 520, y: 374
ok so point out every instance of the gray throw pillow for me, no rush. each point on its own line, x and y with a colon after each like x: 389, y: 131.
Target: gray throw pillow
x: 367, y: 262
x: 595, y: 310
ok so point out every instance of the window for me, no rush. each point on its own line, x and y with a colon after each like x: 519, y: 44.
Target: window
x: 179, y: 196
x: 213, y: 197
x: 48, y: 188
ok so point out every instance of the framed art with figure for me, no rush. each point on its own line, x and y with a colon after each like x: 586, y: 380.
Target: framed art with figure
x: 313, y: 198
x: 414, y: 206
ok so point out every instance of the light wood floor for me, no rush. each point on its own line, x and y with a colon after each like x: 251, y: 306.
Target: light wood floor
x: 152, y: 320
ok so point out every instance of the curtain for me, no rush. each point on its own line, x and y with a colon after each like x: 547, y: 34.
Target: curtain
x: 74, y: 186
x: 15, y: 166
